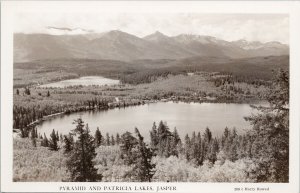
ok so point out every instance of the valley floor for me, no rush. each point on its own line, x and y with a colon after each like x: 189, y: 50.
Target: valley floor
x: 199, y: 87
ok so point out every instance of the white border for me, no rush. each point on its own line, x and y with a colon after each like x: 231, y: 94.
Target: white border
x: 8, y: 9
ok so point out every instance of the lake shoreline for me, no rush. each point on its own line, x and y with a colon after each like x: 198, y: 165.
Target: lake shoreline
x: 124, y: 105
x: 115, y: 106
x: 196, y: 89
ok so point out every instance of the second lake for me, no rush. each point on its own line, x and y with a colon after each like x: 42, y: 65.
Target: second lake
x: 83, y: 81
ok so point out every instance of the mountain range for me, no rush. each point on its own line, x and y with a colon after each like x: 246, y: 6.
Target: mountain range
x: 118, y: 45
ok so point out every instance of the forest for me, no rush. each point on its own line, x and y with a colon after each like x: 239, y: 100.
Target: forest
x: 145, y: 71
x: 260, y: 155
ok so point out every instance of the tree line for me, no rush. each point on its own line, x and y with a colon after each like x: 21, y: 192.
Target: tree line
x: 24, y: 116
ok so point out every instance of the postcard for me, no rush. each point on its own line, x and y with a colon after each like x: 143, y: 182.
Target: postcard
x: 150, y: 96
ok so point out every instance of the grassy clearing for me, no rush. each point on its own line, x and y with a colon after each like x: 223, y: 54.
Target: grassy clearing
x: 37, y: 164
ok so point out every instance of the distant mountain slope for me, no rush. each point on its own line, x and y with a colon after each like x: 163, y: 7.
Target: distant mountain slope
x: 263, y: 49
x: 246, y: 69
x: 119, y: 45
x: 252, y: 68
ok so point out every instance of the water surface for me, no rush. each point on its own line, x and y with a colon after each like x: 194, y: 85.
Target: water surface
x: 83, y: 81
x: 186, y: 117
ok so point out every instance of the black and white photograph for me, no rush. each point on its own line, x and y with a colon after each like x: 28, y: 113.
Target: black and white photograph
x: 157, y: 97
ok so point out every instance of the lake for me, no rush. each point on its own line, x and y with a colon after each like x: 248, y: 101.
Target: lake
x: 186, y: 117
x: 84, y: 81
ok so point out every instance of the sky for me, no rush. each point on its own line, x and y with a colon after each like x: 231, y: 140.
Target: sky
x: 229, y: 27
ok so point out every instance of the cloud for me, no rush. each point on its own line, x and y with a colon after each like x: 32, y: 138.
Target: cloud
x: 67, y: 31
x: 230, y: 27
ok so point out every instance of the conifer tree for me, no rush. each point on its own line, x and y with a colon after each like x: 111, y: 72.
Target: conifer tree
x: 226, y: 143
x: 33, y: 137
x: 107, y: 139
x: 45, y: 141
x: 57, y: 136
x: 250, y: 141
x: 68, y: 143
x: 61, y: 138
x: 128, y: 142
x: 207, y: 136
x: 168, y: 147
x: 118, y: 139
x: 53, y: 141
x: 154, y: 137
x: 112, y: 140
x: 193, y: 146
x: 32, y: 133
x: 176, y: 143
x: 233, y: 151
x: 213, y: 150
x: 199, y: 157
x: 187, y: 146
x: 225, y: 136
x: 36, y: 133
x: 98, y: 137
x: 164, y: 140
x: 80, y: 161
x: 144, y: 169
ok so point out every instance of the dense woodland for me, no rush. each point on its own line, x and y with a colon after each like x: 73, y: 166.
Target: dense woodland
x: 249, y: 70
x: 260, y: 155
x: 253, y: 71
x: 24, y: 117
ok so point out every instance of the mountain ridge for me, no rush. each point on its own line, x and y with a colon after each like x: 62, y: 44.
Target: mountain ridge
x: 119, y: 45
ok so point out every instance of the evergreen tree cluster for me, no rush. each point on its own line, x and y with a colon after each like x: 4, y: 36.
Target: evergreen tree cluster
x: 199, y: 148
x: 81, y: 154
x: 270, y: 148
x: 53, y: 142
x: 150, y: 75
x: 97, y: 103
x: 23, y: 117
x: 163, y: 141
x: 136, y: 153
x: 108, y: 140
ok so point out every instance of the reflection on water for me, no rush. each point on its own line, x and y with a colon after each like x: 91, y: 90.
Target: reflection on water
x: 185, y: 117
x: 84, y: 81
